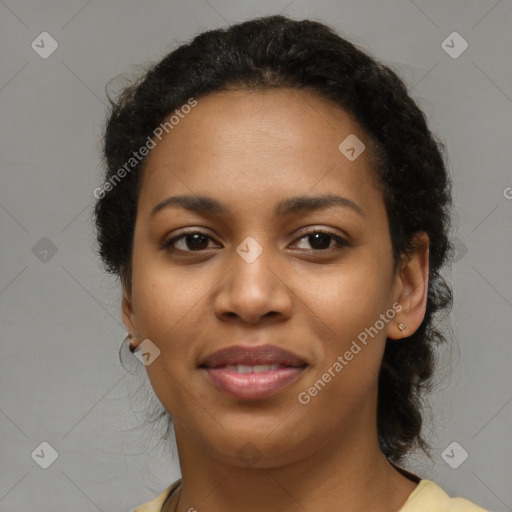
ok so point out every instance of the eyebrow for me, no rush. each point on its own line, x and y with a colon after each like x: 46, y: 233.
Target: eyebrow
x: 286, y: 207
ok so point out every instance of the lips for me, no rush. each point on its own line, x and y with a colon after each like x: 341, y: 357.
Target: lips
x: 250, y: 356
x: 252, y: 372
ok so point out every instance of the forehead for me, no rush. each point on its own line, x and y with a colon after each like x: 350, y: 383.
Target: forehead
x: 283, y: 120
x: 256, y: 145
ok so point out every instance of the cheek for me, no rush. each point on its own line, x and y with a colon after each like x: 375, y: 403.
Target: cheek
x: 162, y: 296
x: 349, y: 297
x: 164, y: 302
x: 164, y: 306
x: 350, y: 302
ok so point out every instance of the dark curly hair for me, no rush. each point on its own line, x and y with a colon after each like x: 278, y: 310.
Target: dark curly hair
x: 408, y: 164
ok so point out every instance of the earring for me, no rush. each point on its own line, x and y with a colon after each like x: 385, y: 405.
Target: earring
x: 131, y: 346
x: 401, y: 326
x: 129, y: 336
x: 126, y: 355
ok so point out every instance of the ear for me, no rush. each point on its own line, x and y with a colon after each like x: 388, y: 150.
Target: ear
x: 411, y: 289
x: 128, y: 314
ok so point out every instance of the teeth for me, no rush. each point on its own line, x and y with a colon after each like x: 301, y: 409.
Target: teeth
x: 265, y: 367
x: 257, y: 368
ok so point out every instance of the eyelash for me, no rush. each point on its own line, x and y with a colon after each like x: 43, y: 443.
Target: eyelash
x: 168, y: 245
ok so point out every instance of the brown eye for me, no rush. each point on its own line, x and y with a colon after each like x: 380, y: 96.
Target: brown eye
x: 322, y: 240
x: 189, y: 242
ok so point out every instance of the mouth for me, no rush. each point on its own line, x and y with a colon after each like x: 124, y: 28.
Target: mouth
x: 252, y: 373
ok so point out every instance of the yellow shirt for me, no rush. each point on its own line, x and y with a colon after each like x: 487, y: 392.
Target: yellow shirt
x: 427, y: 497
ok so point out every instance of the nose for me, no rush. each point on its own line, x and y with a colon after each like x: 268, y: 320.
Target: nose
x: 252, y: 291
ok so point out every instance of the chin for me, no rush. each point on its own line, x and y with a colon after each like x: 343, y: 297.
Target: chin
x: 267, y: 446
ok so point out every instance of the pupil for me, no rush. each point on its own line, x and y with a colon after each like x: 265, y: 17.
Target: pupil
x: 198, y: 242
x: 316, y: 241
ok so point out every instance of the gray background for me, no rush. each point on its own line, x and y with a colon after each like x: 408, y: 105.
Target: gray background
x: 60, y: 377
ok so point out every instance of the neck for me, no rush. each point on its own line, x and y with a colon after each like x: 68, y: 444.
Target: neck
x: 352, y: 473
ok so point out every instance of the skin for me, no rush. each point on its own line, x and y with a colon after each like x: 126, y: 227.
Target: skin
x: 250, y: 150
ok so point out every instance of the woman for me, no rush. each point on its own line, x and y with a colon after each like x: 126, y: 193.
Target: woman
x: 277, y: 210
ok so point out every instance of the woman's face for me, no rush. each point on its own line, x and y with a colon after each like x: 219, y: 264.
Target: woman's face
x: 257, y: 274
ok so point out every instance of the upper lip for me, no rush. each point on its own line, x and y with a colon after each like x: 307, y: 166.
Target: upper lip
x: 251, y: 355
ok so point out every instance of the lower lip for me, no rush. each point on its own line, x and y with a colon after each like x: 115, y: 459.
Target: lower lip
x: 253, y: 385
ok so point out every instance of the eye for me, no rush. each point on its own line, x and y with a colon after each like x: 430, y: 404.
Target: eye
x: 321, y: 240
x: 196, y: 241
x: 193, y: 241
